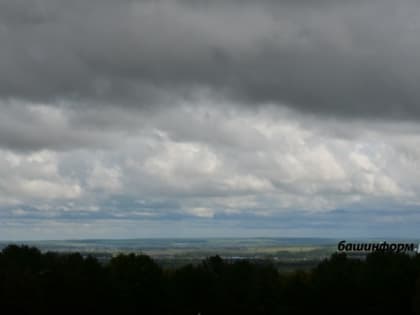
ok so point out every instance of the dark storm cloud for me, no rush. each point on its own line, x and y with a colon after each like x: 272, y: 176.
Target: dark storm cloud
x: 343, y: 58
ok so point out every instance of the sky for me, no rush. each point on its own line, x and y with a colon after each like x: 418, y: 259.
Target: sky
x: 221, y: 118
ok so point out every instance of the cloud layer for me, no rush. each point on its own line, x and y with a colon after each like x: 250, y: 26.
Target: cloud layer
x: 205, y: 161
x: 341, y: 58
x: 269, y: 118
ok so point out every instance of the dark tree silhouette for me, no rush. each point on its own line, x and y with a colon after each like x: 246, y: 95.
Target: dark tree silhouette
x: 32, y: 282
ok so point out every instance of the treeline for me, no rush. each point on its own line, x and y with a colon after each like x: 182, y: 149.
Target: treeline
x: 32, y: 282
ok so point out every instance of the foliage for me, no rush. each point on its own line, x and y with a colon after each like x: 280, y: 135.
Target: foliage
x: 32, y: 282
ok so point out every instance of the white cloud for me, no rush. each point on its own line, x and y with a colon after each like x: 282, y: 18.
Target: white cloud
x: 248, y: 182
x: 43, y: 189
x: 105, y: 179
x: 201, y: 212
x: 233, y: 161
x: 34, y: 177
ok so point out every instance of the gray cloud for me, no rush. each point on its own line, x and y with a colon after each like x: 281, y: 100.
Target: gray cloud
x: 201, y: 161
x: 339, y: 58
x: 239, y: 159
x: 224, y: 111
x: 32, y: 127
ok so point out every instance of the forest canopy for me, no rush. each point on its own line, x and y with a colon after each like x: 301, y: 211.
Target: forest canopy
x: 34, y: 282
